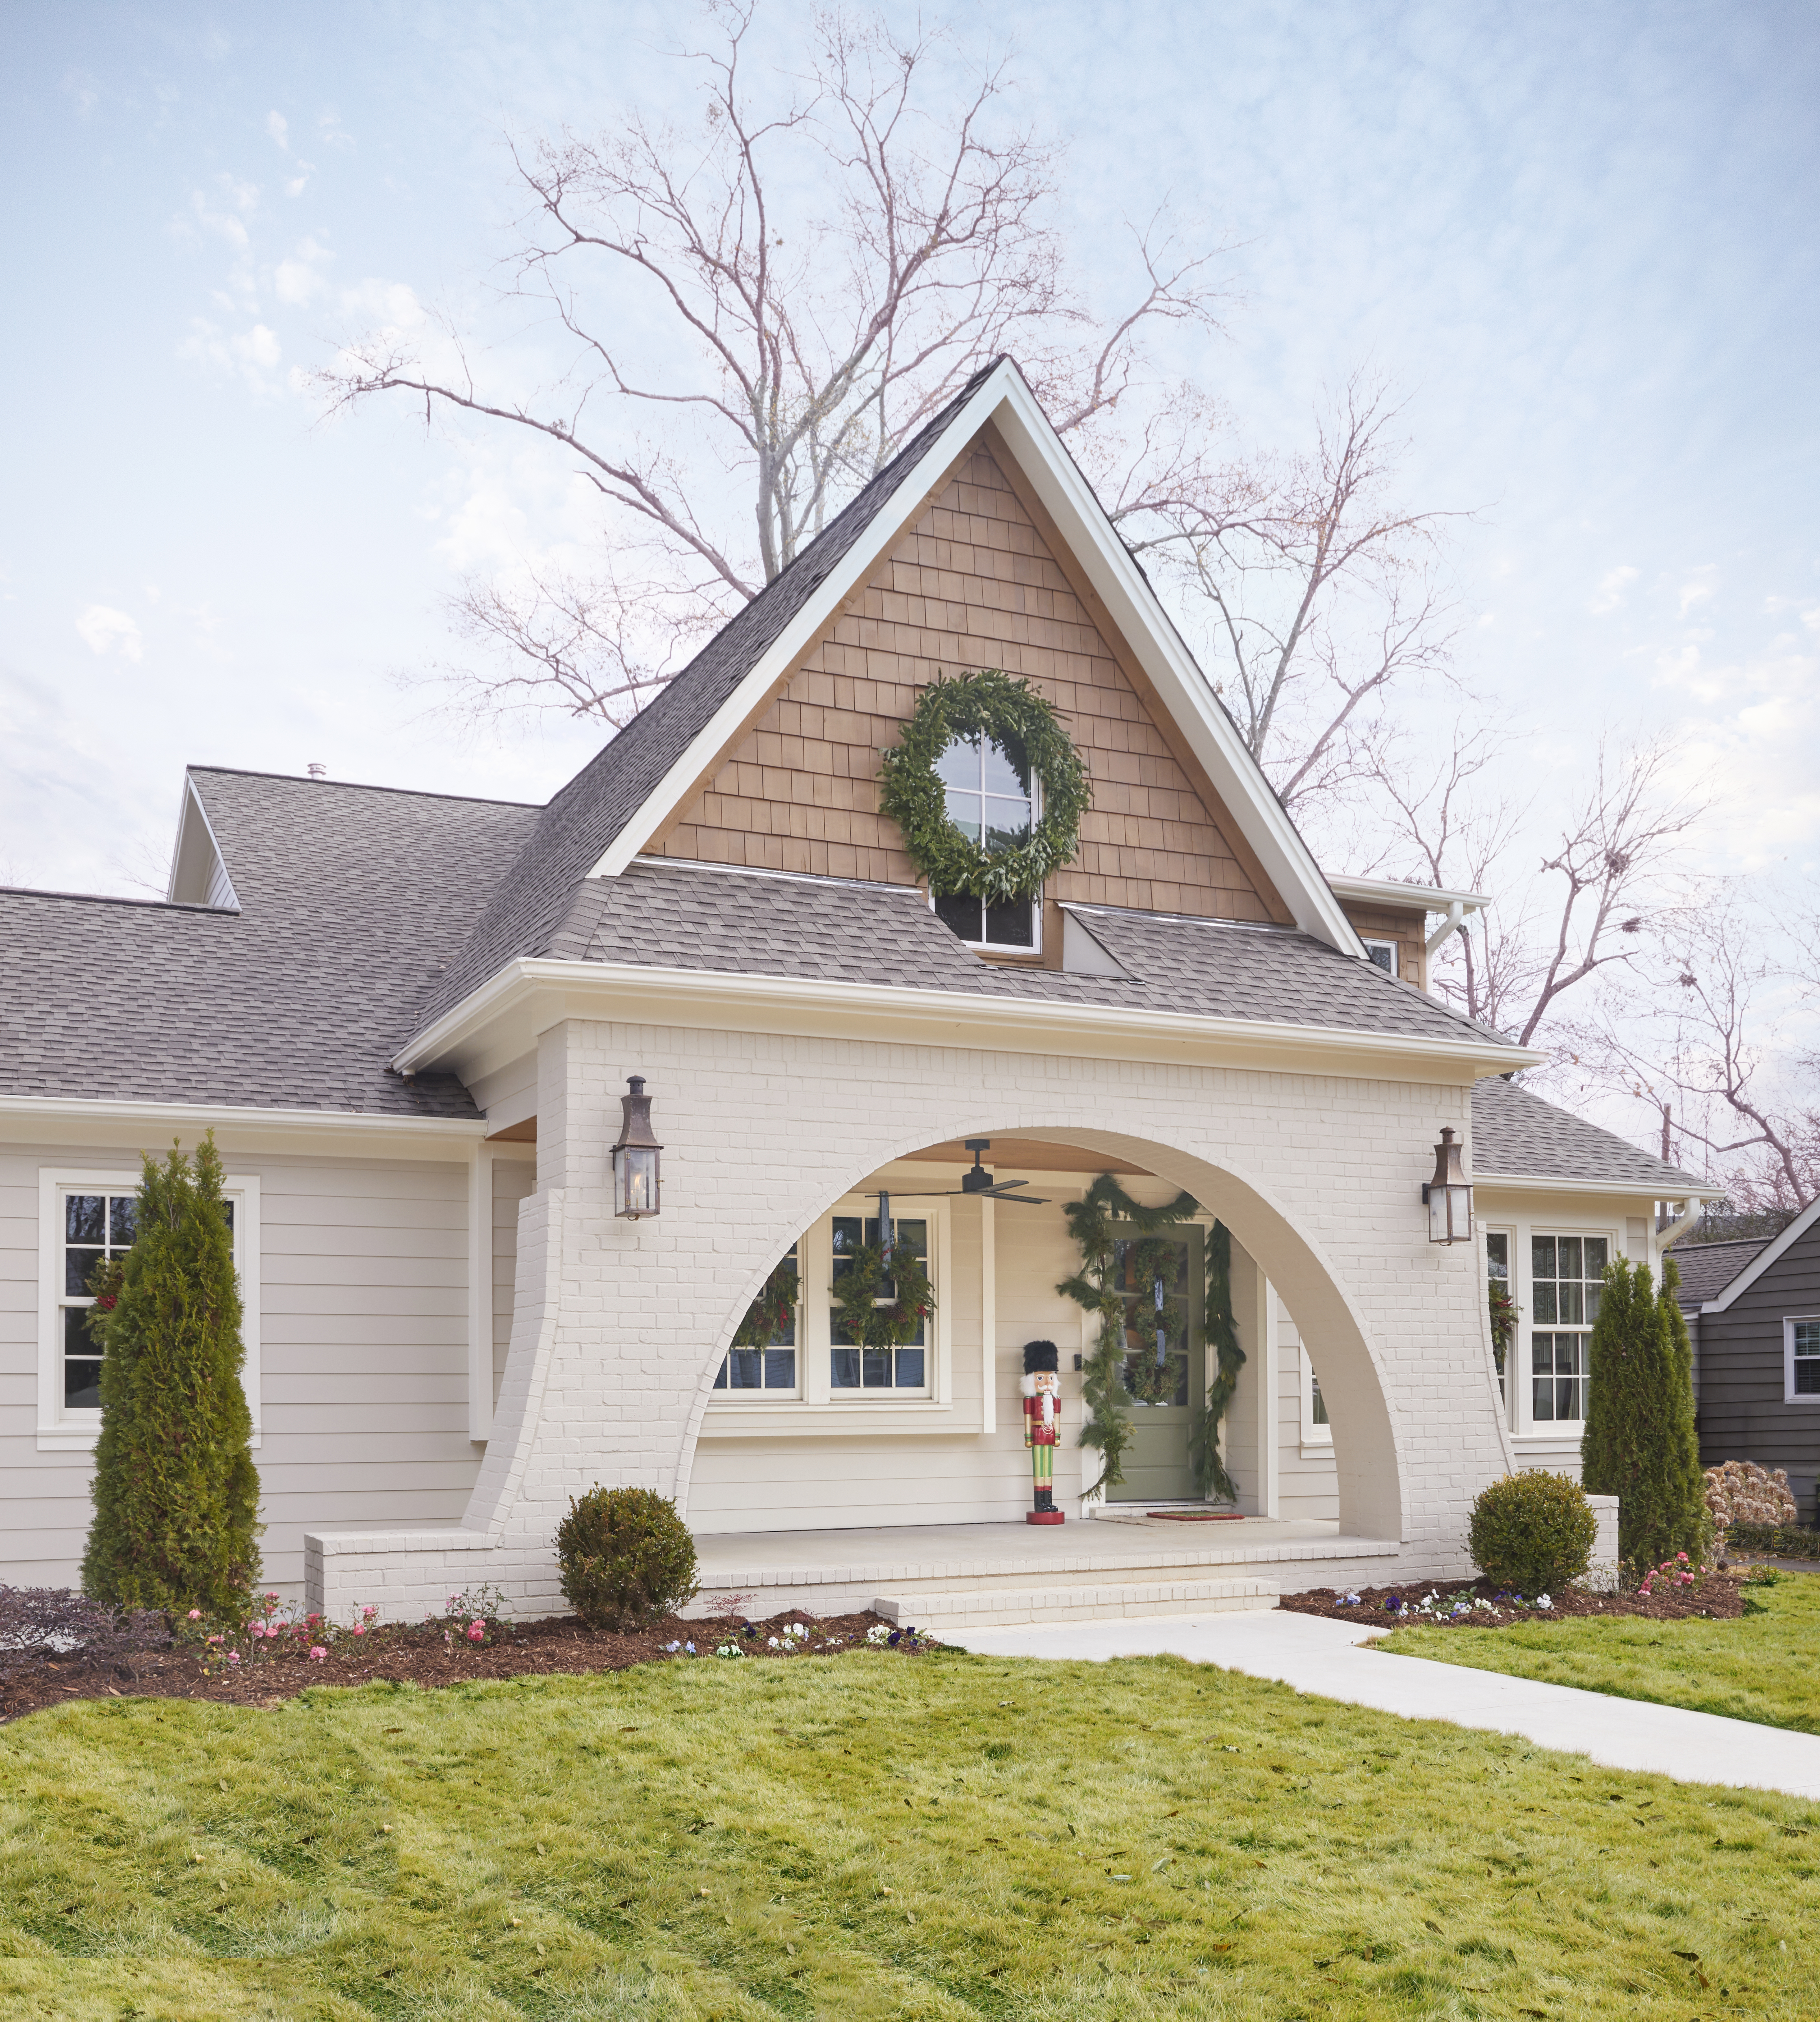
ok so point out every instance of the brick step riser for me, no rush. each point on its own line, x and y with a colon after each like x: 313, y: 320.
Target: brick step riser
x: 952, y: 1612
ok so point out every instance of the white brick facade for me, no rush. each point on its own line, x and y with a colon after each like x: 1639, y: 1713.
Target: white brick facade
x: 619, y: 1326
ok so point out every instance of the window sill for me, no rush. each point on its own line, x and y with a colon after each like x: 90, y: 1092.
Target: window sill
x: 1570, y: 1428
x: 795, y: 1419
x: 1318, y: 1448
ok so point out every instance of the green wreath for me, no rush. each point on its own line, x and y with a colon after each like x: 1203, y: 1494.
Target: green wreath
x: 771, y: 1313
x: 858, y: 1289
x: 991, y: 703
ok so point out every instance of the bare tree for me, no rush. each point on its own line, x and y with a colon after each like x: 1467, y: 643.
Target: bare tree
x: 801, y: 339
x: 1581, y: 915
x: 1318, y: 590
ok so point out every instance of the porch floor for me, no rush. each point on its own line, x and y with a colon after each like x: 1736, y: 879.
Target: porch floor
x: 829, y: 1569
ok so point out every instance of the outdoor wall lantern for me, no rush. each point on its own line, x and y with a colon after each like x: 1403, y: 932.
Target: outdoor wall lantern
x: 635, y: 1175
x: 1448, y: 1195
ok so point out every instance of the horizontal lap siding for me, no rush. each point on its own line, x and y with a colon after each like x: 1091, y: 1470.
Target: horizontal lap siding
x: 1307, y: 1484
x: 1743, y: 1415
x: 971, y: 584
x: 364, y: 1323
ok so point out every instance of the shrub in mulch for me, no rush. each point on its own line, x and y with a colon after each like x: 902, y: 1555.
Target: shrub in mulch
x: 1481, y: 1604
x: 292, y: 1653
x: 1780, y: 1541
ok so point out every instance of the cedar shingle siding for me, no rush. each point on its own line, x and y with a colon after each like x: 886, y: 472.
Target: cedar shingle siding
x: 1742, y: 1414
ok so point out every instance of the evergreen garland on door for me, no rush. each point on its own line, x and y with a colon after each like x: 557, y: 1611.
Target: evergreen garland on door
x: 1009, y: 711
x: 1091, y: 1221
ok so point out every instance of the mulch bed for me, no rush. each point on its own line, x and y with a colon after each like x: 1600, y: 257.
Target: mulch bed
x: 1718, y: 1597
x: 421, y: 1656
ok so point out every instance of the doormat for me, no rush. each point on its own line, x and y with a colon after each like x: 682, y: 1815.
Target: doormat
x: 1197, y: 1515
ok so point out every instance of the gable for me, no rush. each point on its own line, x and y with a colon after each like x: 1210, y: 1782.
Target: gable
x: 974, y: 581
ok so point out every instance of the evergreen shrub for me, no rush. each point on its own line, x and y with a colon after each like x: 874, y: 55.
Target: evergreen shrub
x: 626, y: 1558
x: 176, y: 1494
x: 1532, y: 1532
x: 1639, y: 1443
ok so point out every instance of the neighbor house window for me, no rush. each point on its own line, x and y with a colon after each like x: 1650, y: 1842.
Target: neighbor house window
x: 876, y: 1370
x: 1383, y: 954
x: 1565, y: 1273
x: 773, y: 1365
x: 990, y: 803
x: 87, y: 1220
x: 1802, y: 1342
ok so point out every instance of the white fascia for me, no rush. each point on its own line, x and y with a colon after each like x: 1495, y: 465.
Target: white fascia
x: 1130, y: 605
x: 503, y: 1019
x: 62, y: 1112
x: 1541, y: 1183
x: 1770, y: 1253
x: 191, y: 811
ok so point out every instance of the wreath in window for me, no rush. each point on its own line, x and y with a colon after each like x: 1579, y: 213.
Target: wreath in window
x: 991, y: 703
x: 859, y: 1289
x: 769, y: 1315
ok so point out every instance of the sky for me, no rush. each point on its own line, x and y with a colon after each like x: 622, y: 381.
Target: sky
x: 1578, y: 240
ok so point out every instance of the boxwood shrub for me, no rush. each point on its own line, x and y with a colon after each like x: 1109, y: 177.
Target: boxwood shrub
x: 626, y: 1558
x: 1532, y: 1532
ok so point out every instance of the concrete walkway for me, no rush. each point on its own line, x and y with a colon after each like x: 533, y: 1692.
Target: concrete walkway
x: 1317, y: 1655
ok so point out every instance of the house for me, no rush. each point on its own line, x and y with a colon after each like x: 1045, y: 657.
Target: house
x: 1753, y: 1307
x: 411, y: 1020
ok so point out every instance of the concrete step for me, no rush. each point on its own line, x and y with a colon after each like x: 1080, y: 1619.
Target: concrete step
x: 974, y: 1607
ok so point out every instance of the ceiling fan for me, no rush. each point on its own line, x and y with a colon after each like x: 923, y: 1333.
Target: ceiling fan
x: 979, y: 1183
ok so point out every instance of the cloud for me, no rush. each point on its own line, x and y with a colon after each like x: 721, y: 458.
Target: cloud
x: 301, y: 277
x: 333, y: 133
x: 84, y: 88
x: 1698, y: 588
x: 279, y: 127
x: 103, y: 629
x: 1611, y: 587
x: 252, y: 354
x: 224, y: 216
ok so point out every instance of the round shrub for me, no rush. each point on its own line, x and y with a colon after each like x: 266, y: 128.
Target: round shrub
x: 626, y: 1558
x: 1532, y: 1532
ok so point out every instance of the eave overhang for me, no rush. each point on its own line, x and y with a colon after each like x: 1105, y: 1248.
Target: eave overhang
x: 1539, y: 1183
x: 501, y: 1021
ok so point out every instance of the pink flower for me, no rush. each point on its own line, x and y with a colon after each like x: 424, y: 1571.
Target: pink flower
x: 367, y: 1614
x: 477, y: 1632
x: 258, y: 1628
x: 1682, y: 1557
x: 318, y: 1654
x: 272, y: 1598
x: 196, y: 1615
x: 359, y: 1629
x: 214, y: 1639
x: 233, y: 1656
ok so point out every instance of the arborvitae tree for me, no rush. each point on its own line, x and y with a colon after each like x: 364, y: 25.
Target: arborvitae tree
x: 176, y: 1493
x: 1638, y: 1443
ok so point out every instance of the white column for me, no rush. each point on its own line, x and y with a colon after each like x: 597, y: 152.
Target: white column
x: 480, y: 1294
x: 988, y: 1318
x: 1269, y: 1400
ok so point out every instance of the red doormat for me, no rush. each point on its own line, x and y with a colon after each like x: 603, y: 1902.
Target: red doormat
x: 1197, y: 1515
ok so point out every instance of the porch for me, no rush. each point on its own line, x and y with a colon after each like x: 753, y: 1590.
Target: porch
x: 946, y: 1577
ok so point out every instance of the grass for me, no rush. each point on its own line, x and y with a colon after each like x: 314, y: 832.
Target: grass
x: 1762, y: 1668
x: 862, y: 1837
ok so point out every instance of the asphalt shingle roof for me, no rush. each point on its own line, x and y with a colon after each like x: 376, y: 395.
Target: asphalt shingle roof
x: 1707, y: 1268
x: 755, y: 923
x: 528, y: 913
x: 1516, y: 1132
x: 350, y: 897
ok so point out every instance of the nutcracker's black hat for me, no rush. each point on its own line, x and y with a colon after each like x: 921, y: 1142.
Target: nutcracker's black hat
x: 1041, y: 1358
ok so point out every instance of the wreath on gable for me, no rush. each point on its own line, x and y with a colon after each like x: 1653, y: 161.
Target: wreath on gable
x: 859, y: 1290
x: 987, y: 702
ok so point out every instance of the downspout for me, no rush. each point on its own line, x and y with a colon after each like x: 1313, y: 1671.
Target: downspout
x: 1454, y: 924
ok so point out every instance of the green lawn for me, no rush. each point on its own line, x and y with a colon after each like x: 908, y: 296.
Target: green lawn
x: 874, y: 1837
x: 1765, y: 1667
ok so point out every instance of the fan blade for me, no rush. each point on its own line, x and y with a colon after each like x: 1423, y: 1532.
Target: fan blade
x: 999, y: 1186
x: 1016, y: 1200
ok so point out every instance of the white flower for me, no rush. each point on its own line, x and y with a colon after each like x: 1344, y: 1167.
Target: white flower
x: 1542, y: 1600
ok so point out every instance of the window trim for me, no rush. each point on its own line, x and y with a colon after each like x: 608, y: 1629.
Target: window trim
x: 1031, y: 948
x: 1524, y: 1424
x: 1317, y: 1437
x: 1790, y: 1322
x: 767, y: 1394
x: 60, y: 1431
x: 1506, y: 1389
x: 1368, y: 942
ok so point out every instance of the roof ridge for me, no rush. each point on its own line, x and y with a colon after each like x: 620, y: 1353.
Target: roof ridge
x: 117, y: 899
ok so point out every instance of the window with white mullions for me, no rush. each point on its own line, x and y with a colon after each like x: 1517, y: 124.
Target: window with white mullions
x: 98, y: 1228
x: 1804, y: 1358
x: 1497, y: 1270
x: 851, y: 1366
x: 1565, y: 1276
x: 771, y: 1366
x: 993, y: 804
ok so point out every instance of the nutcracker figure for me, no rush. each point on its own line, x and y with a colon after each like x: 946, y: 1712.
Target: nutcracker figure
x: 1042, y: 1388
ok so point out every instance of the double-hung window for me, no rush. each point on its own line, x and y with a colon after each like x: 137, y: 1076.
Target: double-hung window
x: 1497, y: 1271
x: 1801, y: 1359
x: 86, y: 1220
x: 878, y: 1371
x: 1565, y: 1276
x: 770, y: 1366
x: 991, y: 803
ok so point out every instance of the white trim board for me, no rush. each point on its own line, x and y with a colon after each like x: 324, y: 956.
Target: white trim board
x: 1118, y: 585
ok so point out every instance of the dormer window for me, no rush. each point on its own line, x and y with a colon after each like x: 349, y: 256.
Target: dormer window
x: 1381, y: 954
x: 989, y: 801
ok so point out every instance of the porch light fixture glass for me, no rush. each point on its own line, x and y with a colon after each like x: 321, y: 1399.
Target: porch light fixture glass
x: 1448, y: 1195
x: 635, y: 1170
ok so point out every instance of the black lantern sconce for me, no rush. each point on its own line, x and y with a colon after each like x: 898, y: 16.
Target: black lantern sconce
x: 1448, y: 1195
x: 636, y: 1180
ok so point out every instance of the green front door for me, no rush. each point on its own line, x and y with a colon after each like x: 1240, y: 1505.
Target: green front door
x: 1165, y: 1365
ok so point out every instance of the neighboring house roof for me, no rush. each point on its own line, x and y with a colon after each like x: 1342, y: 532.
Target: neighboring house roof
x: 1707, y: 1268
x: 759, y: 923
x: 349, y: 897
x: 1519, y: 1136
x: 1767, y: 1258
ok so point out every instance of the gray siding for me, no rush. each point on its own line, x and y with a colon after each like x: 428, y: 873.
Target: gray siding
x: 1743, y: 1415
x: 363, y: 1299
